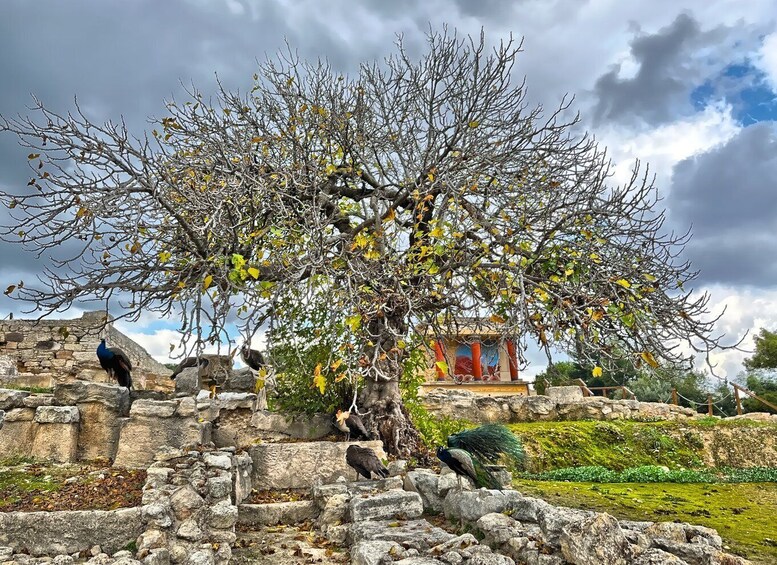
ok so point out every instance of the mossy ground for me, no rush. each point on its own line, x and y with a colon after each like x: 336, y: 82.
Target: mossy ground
x: 743, y: 514
x: 617, y: 445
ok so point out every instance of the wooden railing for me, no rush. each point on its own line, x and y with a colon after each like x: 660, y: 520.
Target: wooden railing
x: 737, y: 397
x: 589, y: 391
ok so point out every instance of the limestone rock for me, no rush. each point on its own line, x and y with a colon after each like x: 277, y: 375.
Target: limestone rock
x: 114, y: 397
x: 67, y: 532
x: 185, y: 501
x: 396, y: 504
x: 313, y: 461
x: 222, y: 515
x: 498, y: 528
x: 295, y: 512
x: 472, y: 505
x: 426, y: 483
x: 278, y: 426
x: 10, y: 399
x: 595, y: 540
x: 564, y: 393
x: 371, y: 552
x: 416, y: 534
x: 655, y: 556
x: 56, y: 414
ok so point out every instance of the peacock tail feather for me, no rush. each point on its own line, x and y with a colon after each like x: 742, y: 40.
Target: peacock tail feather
x: 488, y: 443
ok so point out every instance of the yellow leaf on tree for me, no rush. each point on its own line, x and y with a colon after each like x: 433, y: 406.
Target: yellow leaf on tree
x: 340, y: 377
x: 648, y: 358
x: 442, y: 365
x: 497, y: 319
x: 254, y: 272
x: 390, y: 215
x: 336, y: 364
x: 597, y: 315
x: 206, y: 282
x: 597, y: 372
x: 319, y: 380
x: 354, y: 322
x: 649, y: 277
x: 473, y: 124
x: 624, y: 283
x: 164, y: 256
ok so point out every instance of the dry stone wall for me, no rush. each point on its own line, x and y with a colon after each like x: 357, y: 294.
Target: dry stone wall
x: 41, y: 353
x: 510, y: 409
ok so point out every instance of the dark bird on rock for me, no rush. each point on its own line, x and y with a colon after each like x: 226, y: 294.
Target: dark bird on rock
x: 188, y: 363
x: 364, y: 461
x: 462, y: 463
x: 251, y: 357
x: 351, y: 425
x: 488, y: 443
x: 116, y: 364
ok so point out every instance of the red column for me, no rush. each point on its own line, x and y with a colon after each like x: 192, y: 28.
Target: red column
x: 477, y: 368
x: 439, y: 356
x: 512, y: 360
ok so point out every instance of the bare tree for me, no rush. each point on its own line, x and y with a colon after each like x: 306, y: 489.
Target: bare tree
x: 412, y: 195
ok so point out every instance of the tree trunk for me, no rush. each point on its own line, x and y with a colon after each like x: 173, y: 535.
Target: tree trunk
x: 388, y: 416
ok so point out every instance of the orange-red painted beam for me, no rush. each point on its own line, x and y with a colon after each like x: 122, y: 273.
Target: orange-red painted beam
x: 439, y: 356
x: 477, y: 367
x: 512, y: 359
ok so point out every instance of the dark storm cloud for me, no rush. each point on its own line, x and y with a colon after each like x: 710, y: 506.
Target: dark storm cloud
x: 728, y: 195
x: 669, y: 69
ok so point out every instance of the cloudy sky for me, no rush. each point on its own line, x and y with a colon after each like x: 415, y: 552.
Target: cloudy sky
x: 688, y: 86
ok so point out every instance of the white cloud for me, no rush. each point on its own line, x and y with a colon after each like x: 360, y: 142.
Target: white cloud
x: 766, y: 60
x: 665, y: 146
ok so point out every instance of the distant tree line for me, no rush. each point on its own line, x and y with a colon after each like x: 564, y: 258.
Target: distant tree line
x: 692, y: 386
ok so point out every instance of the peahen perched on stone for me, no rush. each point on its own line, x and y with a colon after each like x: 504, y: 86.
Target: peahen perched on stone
x: 364, y: 461
x: 488, y: 443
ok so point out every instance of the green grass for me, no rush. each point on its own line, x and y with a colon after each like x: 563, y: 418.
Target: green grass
x: 743, y: 514
x: 14, y: 483
x: 32, y: 389
x: 622, y: 444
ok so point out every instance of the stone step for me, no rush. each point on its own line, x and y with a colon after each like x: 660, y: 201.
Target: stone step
x: 272, y: 513
x: 285, y: 545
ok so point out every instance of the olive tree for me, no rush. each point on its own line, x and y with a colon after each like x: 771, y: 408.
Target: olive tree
x: 417, y: 193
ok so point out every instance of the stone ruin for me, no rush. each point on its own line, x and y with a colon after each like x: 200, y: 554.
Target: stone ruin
x: 41, y: 353
x: 204, y: 455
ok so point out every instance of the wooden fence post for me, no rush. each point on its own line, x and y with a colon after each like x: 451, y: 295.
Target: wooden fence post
x: 709, y: 405
x: 739, y: 401
x: 674, y: 396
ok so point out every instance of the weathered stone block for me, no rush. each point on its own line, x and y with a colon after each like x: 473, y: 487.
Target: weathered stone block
x: 35, y: 400
x: 10, y: 399
x: 564, y: 393
x: 295, y: 512
x: 57, y: 442
x: 56, y: 414
x: 314, y: 461
x: 17, y: 432
x: 472, y: 505
x: 222, y: 515
x: 415, y: 534
x: 595, y: 540
x: 425, y: 483
x: 142, y: 436
x: 398, y: 504
x: 153, y: 408
x: 53, y: 533
x: 279, y: 426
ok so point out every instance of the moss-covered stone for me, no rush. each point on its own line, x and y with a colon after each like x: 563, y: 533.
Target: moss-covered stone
x: 743, y: 514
